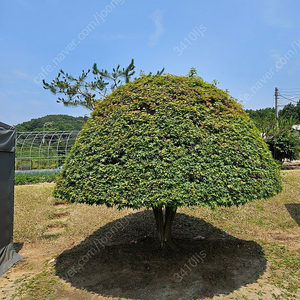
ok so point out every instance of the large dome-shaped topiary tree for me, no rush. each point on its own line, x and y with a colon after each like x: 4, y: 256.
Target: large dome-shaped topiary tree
x: 165, y: 142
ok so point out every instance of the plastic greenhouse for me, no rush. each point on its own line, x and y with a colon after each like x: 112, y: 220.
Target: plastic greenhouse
x: 43, y: 149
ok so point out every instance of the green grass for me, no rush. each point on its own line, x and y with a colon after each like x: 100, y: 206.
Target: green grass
x: 285, y: 269
x: 31, y: 177
x: 41, y: 286
x: 267, y: 222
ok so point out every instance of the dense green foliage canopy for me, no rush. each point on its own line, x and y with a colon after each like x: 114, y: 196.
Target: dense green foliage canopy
x: 52, y: 122
x: 285, y: 145
x: 290, y: 110
x: 282, y: 140
x: 168, y: 141
x: 262, y: 113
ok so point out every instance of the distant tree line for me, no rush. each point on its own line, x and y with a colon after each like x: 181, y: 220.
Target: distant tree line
x: 53, y: 122
x: 290, y: 110
x: 283, y: 141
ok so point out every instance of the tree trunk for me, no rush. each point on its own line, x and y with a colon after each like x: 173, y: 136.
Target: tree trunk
x: 164, y: 226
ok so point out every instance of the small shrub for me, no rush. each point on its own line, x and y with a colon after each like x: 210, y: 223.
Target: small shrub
x: 285, y: 146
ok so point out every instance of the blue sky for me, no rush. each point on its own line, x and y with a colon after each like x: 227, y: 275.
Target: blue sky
x: 249, y: 46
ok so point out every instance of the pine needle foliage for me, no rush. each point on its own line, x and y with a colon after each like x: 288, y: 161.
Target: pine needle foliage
x: 168, y: 141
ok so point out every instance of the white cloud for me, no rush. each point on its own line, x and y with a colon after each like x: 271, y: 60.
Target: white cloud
x: 35, y: 102
x: 30, y: 92
x: 294, y: 70
x: 273, y: 19
x: 275, y: 55
x: 157, y: 18
x: 274, y: 14
x: 4, y: 76
x: 119, y: 37
x: 13, y: 93
x: 22, y: 75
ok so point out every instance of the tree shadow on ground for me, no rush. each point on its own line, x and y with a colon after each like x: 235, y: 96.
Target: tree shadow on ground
x: 294, y: 210
x: 18, y: 247
x: 121, y: 259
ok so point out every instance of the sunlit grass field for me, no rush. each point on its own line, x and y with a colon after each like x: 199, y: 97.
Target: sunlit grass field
x: 273, y: 223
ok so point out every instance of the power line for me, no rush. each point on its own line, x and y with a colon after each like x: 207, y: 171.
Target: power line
x: 290, y: 93
x: 288, y: 98
x: 285, y: 92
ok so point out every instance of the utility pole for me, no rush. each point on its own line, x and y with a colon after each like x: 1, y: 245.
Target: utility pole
x: 276, y: 102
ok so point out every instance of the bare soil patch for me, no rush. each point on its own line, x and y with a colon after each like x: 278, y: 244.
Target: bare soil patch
x: 61, y: 204
x: 55, y: 229
x: 60, y: 216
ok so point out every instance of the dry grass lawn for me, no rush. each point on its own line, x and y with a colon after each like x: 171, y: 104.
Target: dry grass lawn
x: 261, y: 238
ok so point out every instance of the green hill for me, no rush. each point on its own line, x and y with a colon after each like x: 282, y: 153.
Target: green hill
x: 53, y: 122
